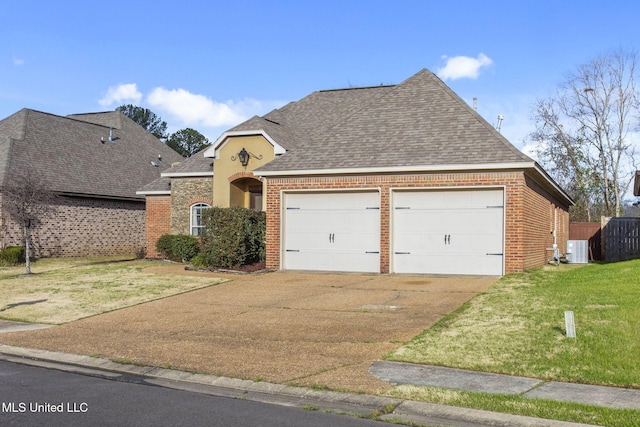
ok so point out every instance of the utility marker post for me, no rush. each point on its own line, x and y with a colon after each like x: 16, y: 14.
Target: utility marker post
x: 570, y: 325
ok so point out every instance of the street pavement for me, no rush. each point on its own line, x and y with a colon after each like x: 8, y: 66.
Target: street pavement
x: 361, y: 404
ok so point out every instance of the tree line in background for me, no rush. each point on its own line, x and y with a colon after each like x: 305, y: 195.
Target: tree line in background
x: 186, y: 141
x: 585, y: 135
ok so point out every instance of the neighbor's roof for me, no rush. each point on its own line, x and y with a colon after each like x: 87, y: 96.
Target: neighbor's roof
x: 419, y: 122
x: 195, y: 166
x: 74, y: 155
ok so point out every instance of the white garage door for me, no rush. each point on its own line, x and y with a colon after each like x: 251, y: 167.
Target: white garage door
x: 448, y: 232
x: 332, y: 231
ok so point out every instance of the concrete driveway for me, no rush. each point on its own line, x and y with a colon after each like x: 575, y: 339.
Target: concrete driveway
x: 307, y: 329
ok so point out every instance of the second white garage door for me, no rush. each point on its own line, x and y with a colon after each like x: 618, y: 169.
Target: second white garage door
x: 332, y: 231
x: 448, y: 232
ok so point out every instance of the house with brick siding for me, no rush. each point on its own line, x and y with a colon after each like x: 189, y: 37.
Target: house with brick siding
x: 403, y: 178
x: 95, y: 163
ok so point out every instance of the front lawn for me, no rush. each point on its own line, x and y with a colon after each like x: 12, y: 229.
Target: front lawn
x: 66, y: 289
x: 517, y: 327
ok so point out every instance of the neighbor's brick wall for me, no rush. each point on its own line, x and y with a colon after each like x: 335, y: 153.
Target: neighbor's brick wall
x: 519, y: 252
x: 158, y: 222
x: 84, y: 227
x: 184, y: 193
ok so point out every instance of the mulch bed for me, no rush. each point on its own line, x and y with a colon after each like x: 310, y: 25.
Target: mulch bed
x: 258, y: 267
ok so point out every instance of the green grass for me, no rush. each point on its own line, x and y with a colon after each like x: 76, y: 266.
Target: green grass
x: 538, y: 408
x: 517, y: 327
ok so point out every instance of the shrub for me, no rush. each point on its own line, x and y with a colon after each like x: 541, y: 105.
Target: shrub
x: 164, y: 246
x: 200, y: 261
x: 233, y: 237
x: 185, y: 247
x: 12, y: 255
x: 177, y: 247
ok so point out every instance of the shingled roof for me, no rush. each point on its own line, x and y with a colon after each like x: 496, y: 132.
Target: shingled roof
x: 419, y: 122
x: 75, y: 156
x: 195, y: 166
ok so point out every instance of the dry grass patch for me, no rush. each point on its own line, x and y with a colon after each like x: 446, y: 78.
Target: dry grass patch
x: 66, y: 289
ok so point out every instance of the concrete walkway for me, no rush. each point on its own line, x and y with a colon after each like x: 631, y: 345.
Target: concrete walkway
x: 9, y: 326
x: 435, y: 376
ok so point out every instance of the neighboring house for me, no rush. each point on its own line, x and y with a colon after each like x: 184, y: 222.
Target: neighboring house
x: 636, y: 184
x: 95, y: 163
x: 403, y: 178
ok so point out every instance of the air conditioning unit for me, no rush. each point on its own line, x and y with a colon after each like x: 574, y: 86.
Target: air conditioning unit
x: 577, y: 252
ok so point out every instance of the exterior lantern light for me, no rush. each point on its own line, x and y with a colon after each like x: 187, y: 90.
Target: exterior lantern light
x: 243, y: 157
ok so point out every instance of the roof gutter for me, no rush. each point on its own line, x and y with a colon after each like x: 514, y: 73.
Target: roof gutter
x: 154, y: 193
x: 99, y: 196
x: 396, y: 169
x: 186, y: 174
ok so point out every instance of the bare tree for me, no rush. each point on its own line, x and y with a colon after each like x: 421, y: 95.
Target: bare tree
x: 583, y: 133
x: 27, y: 200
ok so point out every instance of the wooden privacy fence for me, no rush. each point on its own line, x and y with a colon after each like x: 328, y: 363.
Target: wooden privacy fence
x: 621, y: 238
x: 613, y: 239
x: 590, y: 231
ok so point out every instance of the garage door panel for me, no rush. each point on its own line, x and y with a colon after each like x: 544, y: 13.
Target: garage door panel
x: 444, y: 263
x: 332, y: 231
x: 448, y: 232
x: 310, y: 259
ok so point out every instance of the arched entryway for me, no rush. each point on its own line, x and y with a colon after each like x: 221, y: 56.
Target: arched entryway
x: 247, y: 193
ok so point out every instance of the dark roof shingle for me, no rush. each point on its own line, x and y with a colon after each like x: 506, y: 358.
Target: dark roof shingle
x: 74, y: 154
x: 419, y: 122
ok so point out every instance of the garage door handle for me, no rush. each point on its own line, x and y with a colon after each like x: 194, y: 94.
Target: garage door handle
x: 495, y: 254
x: 447, y: 239
x: 293, y: 250
x: 332, y: 237
x: 372, y: 252
x: 402, y: 253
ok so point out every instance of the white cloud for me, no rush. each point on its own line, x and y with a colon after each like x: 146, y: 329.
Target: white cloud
x: 18, y: 61
x: 121, y: 94
x: 459, y: 67
x: 181, y: 108
x: 193, y: 109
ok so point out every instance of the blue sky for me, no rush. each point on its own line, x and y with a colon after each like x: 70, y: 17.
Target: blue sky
x: 212, y: 64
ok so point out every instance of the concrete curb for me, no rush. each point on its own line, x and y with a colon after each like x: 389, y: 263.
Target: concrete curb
x: 388, y: 409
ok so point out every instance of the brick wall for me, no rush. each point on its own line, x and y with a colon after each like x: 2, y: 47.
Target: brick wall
x: 526, y: 229
x: 158, y: 222
x: 84, y: 227
x: 543, y: 215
